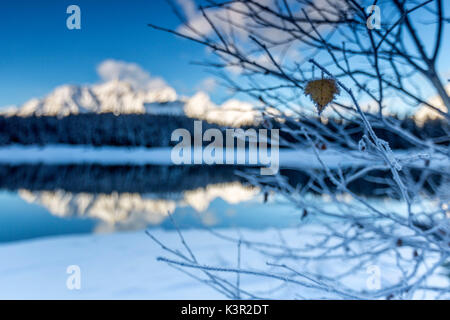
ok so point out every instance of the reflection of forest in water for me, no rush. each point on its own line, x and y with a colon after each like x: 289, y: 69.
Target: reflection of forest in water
x: 134, y: 197
x: 165, y: 180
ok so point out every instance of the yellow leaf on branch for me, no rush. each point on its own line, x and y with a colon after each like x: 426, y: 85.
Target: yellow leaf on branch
x: 322, y: 92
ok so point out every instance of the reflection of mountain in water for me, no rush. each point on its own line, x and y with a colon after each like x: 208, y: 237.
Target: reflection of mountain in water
x: 132, y: 211
x: 133, y: 197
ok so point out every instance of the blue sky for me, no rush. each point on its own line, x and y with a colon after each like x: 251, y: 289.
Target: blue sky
x: 38, y: 52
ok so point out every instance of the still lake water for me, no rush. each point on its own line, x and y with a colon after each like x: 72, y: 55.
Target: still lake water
x: 39, y: 200
x: 42, y: 200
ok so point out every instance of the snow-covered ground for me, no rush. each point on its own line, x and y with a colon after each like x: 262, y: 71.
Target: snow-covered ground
x: 125, y: 266
x: 113, y: 266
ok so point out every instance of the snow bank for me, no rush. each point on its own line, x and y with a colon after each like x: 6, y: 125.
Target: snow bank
x: 125, y: 266
x: 111, y: 155
x: 113, y: 266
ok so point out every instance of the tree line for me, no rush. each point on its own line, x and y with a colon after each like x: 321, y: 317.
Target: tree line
x: 155, y: 130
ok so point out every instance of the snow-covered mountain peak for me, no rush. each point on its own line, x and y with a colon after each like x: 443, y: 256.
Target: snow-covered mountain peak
x: 112, y: 96
x: 121, y: 97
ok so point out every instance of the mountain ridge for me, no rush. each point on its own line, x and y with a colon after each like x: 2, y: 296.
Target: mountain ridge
x: 119, y: 97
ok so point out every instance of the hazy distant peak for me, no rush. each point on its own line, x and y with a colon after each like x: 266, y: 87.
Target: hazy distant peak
x: 231, y: 113
x: 425, y: 113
